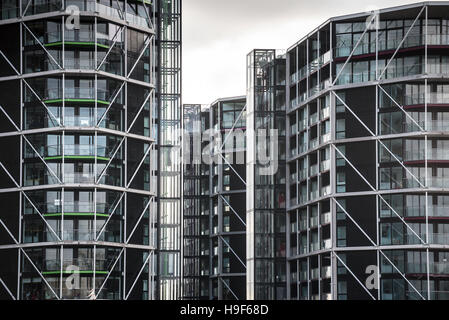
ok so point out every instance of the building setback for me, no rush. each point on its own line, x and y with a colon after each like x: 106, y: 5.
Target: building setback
x: 88, y: 212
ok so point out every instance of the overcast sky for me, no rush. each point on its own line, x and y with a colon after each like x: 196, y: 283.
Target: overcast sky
x: 218, y: 34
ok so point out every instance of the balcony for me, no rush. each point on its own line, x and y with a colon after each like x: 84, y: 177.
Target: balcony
x: 313, y: 143
x: 302, y: 225
x: 434, y: 238
x: 293, y: 227
x: 293, y: 202
x: 432, y: 154
x: 294, y: 277
x: 313, y: 119
x: 293, y: 251
x: 294, y: 77
x: 326, y: 244
x: 303, y: 276
x: 326, y: 272
x: 77, y: 94
x: 293, y: 152
x: 315, y: 274
x: 293, y: 129
x: 51, y: 266
x: 326, y: 138
x: 293, y: 178
x: 302, y: 148
x: 72, y: 235
x: 314, y: 222
x: 302, y: 124
x: 78, y: 177
x: 326, y: 218
x: 87, y: 207
x: 314, y: 169
x: 303, y: 174
x: 73, y: 151
x: 325, y: 165
x: 9, y: 13
x: 325, y: 113
x: 433, y: 211
x: 313, y: 195
x: 314, y: 246
x: 325, y: 191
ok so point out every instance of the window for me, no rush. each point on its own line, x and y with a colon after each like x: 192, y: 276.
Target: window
x: 341, y: 129
x: 341, y: 215
x: 341, y: 182
x: 341, y: 236
x: 340, y: 161
x: 342, y: 290
x: 340, y: 107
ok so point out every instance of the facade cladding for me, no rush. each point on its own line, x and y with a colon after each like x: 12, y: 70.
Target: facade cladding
x: 234, y: 210
x: 88, y: 213
x: 214, y: 201
x: 196, y: 209
x: 367, y: 185
x: 266, y: 182
x: 365, y: 175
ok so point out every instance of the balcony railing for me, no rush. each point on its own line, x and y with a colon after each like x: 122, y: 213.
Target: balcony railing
x: 303, y: 174
x: 325, y: 191
x: 314, y: 195
x: 313, y: 143
x: 314, y: 222
x: 314, y: 169
x: 326, y: 244
x: 326, y: 272
x: 84, y: 264
x: 76, y: 93
x: 325, y: 137
x: 315, y: 274
x: 325, y: 165
x: 325, y: 113
x: 9, y: 13
x: 314, y: 246
x: 302, y: 124
x: 302, y: 225
x: 326, y: 218
x: 313, y: 118
x: 71, y: 235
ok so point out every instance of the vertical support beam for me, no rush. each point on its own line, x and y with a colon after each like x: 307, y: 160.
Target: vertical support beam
x: 377, y: 108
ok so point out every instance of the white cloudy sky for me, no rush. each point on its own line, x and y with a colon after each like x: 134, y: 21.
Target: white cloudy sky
x: 218, y: 34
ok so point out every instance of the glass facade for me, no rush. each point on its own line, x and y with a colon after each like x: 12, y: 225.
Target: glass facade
x: 196, y: 214
x: 90, y: 111
x: 170, y: 147
x: 266, y: 183
x: 214, y: 201
x: 366, y: 164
